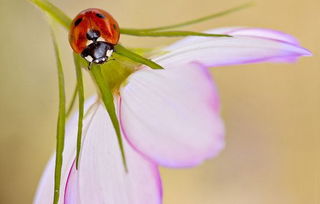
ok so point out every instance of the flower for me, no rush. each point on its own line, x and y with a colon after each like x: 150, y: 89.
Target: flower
x: 168, y: 117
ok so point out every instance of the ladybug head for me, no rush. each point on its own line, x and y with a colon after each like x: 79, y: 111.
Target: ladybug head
x: 97, y: 52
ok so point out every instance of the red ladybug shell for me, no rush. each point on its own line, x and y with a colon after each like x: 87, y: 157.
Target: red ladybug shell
x: 95, y: 19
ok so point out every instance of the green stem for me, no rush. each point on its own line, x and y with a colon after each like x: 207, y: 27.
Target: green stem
x: 72, y: 102
x: 108, y: 101
x: 119, y: 49
x: 56, y: 13
x: 81, y: 105
x: 60, y: 124
x: 65, y: 21
x: 171, y: 33
x: 198, y: 20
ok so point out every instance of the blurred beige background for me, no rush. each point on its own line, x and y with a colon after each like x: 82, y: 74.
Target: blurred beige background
x: 271, y: 111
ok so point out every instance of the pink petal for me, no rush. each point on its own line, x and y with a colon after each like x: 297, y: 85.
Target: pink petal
x: 101, y: 177
x: 249, y: 45
x: 264, y: 33
x: 238, y: 31
x: 172, y: 116
x: 71, y: 193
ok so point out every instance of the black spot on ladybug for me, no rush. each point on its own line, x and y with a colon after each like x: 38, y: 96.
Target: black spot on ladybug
x: 114, y: 26
x: 78, y: 21
x: 99, y: 15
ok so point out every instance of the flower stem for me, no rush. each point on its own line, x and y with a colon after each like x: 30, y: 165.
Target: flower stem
x: 170, y: 33
x: 108, y: 101
x: 65, y: 21
x: 72, y: 102
x: 195, y: 21
x: 56, y: 13
x: 119, y: 49
x: 81, y: 105
x: 60, y: 123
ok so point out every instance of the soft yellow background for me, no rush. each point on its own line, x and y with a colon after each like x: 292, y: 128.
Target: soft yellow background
x: 271, y: 111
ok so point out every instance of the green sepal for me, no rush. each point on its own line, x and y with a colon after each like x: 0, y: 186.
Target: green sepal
x: 170, y: 33
x: 56, y: 13
x: 72, y: 101
x: 117, y: 70
x: 119, y: 49
x: 81, y: 104
x: 108, y: 100
x: 61, y: 122
x: 195, y: 21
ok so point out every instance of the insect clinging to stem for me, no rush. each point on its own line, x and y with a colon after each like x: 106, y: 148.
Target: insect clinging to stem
x: 93, y: 35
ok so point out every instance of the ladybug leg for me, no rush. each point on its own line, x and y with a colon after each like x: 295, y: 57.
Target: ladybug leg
x: 89, y: 66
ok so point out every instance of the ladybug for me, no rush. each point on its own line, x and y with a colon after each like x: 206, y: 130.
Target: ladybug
x: 93, y: 35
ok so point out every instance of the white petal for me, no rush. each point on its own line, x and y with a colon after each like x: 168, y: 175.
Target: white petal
x: 172, y: 115
x: 165, y: 113
x: 101, y: 177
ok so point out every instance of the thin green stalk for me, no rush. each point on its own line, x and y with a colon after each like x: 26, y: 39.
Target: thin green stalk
x: 172, y: 34
x: 72, y: 102
x: 56, y: 13
x: 60, y: 124
x: 81, y: 105
x: 108, y: 101
x: 65, y: 21
x: 119, y: 49
x: 198, y: 20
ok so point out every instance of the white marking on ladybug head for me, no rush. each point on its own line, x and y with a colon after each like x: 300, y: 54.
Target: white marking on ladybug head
x: 101, y: 39
x: 88, y: 42
x: 109, y: 53
x: 100, y: 60
x: 89, y: 58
